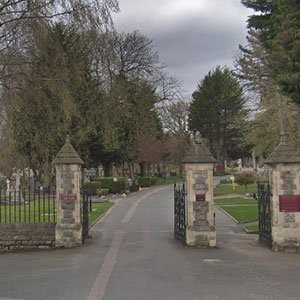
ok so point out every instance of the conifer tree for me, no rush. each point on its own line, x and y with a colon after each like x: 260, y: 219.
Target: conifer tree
x: 217, y: 110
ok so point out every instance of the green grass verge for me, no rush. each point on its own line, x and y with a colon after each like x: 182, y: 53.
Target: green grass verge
x: 37, y: 211
x: 242, y: 213
x: 234, y: 201
x: 225, y: 189
x: 252, y: 228
x: 99, y: 209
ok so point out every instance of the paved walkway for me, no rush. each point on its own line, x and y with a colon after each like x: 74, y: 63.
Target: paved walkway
x: 133, y: 255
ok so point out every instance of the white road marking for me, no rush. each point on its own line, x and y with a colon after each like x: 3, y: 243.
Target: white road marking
x: 211, y: 260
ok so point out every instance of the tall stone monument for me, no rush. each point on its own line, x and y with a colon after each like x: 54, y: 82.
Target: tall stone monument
x: 68, y: 232
x: 284, y: 165
x: 199, y: 163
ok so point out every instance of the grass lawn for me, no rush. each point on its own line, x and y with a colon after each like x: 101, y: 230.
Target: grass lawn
x: 98, y: 209
x: 36, y: 211
x: 43, y: 212
x: 252, y: 227
x: 234, y: 201
x: 225, y: 189
x: 242, y: 213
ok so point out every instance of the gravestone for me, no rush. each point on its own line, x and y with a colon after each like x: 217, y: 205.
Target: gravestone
x: 68, y: 232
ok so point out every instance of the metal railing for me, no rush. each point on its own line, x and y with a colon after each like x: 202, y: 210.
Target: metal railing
x: 27, y: 206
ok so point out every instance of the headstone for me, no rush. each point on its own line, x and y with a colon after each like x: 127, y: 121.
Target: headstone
x: 7, y: 186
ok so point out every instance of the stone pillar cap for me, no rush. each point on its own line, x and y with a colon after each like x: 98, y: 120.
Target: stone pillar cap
x: 285, y: 152
x: 199, y: 153
x: 67, y: 155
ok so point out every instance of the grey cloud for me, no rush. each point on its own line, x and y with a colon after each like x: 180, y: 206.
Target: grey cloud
x: 189, y: 44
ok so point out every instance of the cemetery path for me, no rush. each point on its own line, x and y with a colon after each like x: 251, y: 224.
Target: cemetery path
x: 132, y: 255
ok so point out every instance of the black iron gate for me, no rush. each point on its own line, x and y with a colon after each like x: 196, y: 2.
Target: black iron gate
x: 85, y: 215
x: 264, y: 213
x: 179, y: 212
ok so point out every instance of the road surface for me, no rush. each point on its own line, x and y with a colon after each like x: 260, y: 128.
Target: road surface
x: 132, y: 256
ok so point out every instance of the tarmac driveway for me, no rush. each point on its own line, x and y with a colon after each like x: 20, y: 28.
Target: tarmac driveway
x: 133, y: 255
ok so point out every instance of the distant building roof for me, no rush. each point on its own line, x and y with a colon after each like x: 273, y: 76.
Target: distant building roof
x: 67, y: 154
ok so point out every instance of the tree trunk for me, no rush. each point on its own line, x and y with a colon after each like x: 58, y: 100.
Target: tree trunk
x: 107, y: 168
x: 254, y: 161
x: 142, y: 167
x: 181, y: 170
x: 130, y: 165
x: 220, y: 155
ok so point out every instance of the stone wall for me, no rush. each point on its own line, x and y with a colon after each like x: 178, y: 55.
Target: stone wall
x: 201, y: 233
x: 23, y: 236
x: 68, y: 227
x: 200, y: 218
x: 285, y: 180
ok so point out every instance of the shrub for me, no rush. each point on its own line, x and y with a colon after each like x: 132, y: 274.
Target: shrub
x: 231, y: 170
x: 133, y: 188
x: 225, y: 181
x: 92, y: 186
x: 153, y: 180
x: 245, y: 178
x: 146, y: 181
x: 114, y: 187
x: 102, y: 192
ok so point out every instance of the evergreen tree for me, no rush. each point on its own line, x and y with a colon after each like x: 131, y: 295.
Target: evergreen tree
x: 217, y: 111
x: 58, y: 97
x: 279, y: 24
x: 253, y: 70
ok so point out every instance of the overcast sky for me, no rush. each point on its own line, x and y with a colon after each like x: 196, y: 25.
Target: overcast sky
x: 191, y: 36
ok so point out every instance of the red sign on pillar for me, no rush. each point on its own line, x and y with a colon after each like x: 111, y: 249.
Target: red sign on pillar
x: 289, y: 203
x: 200, y: 198
x: 67, y: 196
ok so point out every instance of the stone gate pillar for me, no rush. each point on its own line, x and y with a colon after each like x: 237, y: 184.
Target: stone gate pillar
x: 68, y: 232
x: 199, y: 163
x: 284, y: 176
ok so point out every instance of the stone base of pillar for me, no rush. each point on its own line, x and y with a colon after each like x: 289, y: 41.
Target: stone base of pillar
x: 201, y: 233
x: 68, y: 235
x: 201, y: 237
x: 286, y: 239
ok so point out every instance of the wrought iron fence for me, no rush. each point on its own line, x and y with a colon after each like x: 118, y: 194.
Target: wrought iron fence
x: 179, y: 212
x: 27, y: 206
x: 86, y: 202
x: 264, y: 212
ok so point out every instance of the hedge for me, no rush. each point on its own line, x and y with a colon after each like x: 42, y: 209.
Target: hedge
x: 114, y: 187
x: 92, y: 186
x: 146, y: 181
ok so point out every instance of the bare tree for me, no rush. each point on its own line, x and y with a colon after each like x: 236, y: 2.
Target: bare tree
x: 175, y: 122
x: 133, y: 56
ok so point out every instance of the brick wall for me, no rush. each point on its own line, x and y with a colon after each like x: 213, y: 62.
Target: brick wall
x: 18, y: 236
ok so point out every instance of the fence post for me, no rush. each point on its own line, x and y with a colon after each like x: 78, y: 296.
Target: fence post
x: 284, y: 165
x: 68, y: 232
x: 199, y: 163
